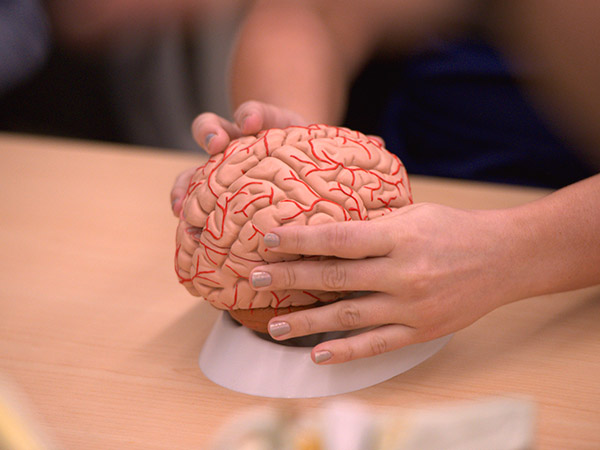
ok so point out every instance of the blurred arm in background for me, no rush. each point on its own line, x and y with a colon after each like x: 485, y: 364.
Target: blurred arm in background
x: 301, y: 57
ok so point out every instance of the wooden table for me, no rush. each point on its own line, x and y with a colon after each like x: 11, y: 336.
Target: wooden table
x: 98, y: 334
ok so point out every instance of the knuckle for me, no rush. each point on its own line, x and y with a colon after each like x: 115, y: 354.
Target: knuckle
x: 307, y: 324
x: 346, y: 353
x: 339, y: 237
x: 334, y: 276
x: 246, y: 108
x: 239, y: 114
x: 287, y: 276
x: 420, y: 281
x: 250, y: 105
x: 294, y: 240
x: 201, y: 120
x: 348, y: 316
x: 377, y: 344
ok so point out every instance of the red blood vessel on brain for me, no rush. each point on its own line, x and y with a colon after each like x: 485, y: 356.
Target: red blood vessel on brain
x: 298, y: 175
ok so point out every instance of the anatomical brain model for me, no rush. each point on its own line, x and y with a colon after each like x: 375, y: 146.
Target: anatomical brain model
x: 298, y: 175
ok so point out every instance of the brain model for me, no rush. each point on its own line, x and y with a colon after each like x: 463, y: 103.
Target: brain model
x: 298, y: 175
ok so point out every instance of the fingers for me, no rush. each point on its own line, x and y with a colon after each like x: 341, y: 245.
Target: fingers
x: 213, y: 133
x: 390, y: 333
x: 373, y: 342
x: 371, y: 310
x: 326, y: 275
x: 382, y: 315
x: 351, y: 240
x: 179, y: 190
x: 252, y: 117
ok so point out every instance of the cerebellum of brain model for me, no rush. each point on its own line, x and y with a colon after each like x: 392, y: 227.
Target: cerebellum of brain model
x: 294, y: 176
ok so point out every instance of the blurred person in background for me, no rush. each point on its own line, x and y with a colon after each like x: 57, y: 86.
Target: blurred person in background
x: 449, y: 103
x: 127, y: 71
x: 428, y: 77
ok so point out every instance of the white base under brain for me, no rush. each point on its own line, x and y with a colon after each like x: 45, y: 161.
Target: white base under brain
x: 298, y: 175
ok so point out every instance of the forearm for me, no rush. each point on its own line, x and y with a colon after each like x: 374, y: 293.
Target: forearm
x: 555, y: 241
x: 287, y: 56
x: 303, y: 55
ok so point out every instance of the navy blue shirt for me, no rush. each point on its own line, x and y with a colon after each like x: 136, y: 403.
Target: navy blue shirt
x: 456, y: 111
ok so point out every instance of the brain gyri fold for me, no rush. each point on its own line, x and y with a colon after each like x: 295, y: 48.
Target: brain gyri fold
x: 298, y: 175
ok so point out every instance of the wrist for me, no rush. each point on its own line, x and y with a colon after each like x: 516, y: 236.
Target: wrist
x: 506, y: 264
x: 520, y: 245
x: 554, y: 241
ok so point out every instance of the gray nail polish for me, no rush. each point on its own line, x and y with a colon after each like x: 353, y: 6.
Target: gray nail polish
x: 277, y: 329
x: 271, y: 240
x: 195, y: 232
x: 243, y: 122
x: 261, y: 279
x: 323, y: 356
x: 208, y: 139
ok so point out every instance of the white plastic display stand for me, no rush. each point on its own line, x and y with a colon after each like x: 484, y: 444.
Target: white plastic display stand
x: 237, y: 358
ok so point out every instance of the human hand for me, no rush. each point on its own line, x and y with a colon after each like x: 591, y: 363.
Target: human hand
x: 214, y: 133
x: 179, y: 190
x: 430, y: 269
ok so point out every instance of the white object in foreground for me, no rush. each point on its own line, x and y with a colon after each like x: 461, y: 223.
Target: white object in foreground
x: 236, y: 358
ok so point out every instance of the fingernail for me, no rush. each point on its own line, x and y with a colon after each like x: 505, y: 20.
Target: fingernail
x: 322, y: 356
x: 243, y: 123
x: 277, y: 329
x: 175, y: 200
x: 260, y: 279
x: 208, y: 139
x: 195, y: 232
x: 271, y: 240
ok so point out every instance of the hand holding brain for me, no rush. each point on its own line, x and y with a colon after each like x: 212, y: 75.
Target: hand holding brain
x: 298, y: 175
